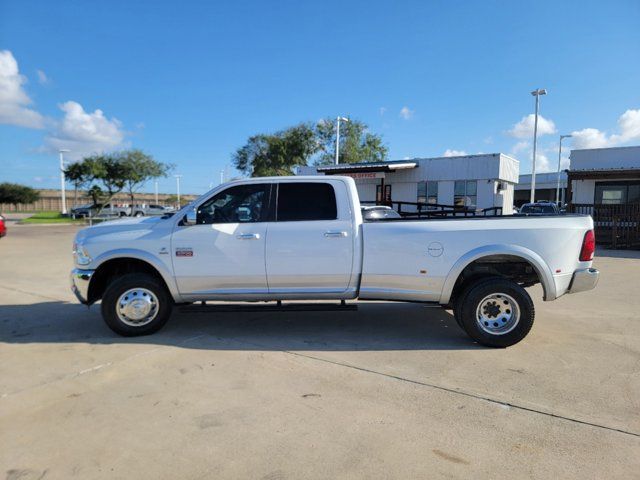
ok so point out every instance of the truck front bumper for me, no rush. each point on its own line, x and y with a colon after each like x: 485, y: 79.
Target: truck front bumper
x: 584, y: 280
x: 80, y: 283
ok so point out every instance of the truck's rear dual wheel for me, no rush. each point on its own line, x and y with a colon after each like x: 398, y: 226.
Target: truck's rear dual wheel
x: 136, y: 304
x: 495, y: 312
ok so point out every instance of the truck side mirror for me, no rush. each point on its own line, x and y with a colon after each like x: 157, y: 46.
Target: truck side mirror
x: 190, y: 218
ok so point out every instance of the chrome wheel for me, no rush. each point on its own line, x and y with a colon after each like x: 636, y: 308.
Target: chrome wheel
x: 137, y: 307
x: 497, y: 314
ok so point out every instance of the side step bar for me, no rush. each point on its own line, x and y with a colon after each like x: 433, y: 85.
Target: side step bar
x: 203, y: 307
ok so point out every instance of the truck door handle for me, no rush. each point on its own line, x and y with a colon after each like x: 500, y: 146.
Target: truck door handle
x: 335, y: 234
x: 248, y: 236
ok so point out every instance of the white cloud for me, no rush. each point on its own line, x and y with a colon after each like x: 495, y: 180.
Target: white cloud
x: 85, y: 133
x: 542, y: 163
x: 589, y: 138
x: 628, y: 123
x: 524, y: 128
x: 14, y: 101
x: 454, y: 153
x: 520, y: 146
x: 42, y: 77
x: 406, y: 113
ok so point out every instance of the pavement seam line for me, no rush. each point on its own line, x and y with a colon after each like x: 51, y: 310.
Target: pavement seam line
x: 32, y: 294
x: 96, y: 368
x: 467, y: 394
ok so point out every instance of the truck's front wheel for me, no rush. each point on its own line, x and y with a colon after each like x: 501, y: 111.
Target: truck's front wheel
x: 136, y: 304
x: 496, y: 312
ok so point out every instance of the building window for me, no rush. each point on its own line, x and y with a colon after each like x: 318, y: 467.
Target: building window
x: 615, y: 193
x: 428, y: 192
x: 465, y: 193
x: 383, y: 198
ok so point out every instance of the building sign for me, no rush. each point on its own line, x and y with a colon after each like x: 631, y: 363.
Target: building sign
x: 364, y: 175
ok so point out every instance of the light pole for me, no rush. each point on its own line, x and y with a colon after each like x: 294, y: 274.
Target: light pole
x: 559, y: 158
x: 338, y: 120
x: 62, y: 151
x: 536, y: 93
x: 178, y: 188
x: 156, y: 186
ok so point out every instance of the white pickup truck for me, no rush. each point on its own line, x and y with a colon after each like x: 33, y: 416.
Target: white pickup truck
x: 288, y: 238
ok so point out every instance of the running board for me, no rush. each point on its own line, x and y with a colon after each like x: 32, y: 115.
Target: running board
x: 202, y: 307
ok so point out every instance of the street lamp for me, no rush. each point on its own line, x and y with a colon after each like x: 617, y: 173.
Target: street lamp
x: 62, y: 151
x: 338, y: 120
x: 536, y: 93
x: 156, y: 188
x: 559, y: 157
x: 178, y: 187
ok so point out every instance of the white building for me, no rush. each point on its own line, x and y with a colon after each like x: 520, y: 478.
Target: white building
x: 478, y: 181
x: 546, y: 187
x: 604, y: 176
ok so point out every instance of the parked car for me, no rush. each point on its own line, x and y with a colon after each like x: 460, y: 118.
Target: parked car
x: 149, y: 210
x: 3, y: 227
x: 283, y: 238
x: 93, y: 210
x: 539, y: 208
x: 378, y: 212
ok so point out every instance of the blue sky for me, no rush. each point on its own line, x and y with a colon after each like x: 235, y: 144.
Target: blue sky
x: 188, y: 82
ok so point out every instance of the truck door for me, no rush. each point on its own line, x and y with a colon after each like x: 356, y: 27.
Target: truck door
x: 310, y: 246
x: 224, y: 252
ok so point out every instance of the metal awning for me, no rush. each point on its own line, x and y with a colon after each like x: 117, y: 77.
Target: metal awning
x: 366, y: 167
x: 602, y: 174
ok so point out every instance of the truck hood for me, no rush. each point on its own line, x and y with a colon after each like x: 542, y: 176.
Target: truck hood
x: 119, y: 226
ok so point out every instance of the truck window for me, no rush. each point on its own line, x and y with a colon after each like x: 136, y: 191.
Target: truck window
x: 239, y: 204
x: 306, y: 201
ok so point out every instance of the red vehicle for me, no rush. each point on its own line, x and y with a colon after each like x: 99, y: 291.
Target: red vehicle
x: 3, y: 227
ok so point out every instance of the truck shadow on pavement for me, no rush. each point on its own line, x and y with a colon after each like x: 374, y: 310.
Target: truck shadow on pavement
x: 379, y: 326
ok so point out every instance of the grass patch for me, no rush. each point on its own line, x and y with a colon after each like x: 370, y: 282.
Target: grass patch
x: 50, y: 217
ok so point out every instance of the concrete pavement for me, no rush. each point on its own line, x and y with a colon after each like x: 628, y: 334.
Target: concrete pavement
x: 389, y: 391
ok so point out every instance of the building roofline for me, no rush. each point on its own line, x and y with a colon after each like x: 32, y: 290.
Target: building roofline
x: 457, y: 156
x: 603, y: 148
x: 510, y: 157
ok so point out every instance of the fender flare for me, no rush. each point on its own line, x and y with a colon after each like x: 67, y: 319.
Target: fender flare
x: 146, y: 257
x: 540, y: 266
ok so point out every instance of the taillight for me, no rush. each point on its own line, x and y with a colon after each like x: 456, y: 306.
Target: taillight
x: 588, y: 247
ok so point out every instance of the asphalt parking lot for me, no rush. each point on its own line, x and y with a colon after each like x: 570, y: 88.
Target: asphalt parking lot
x: 388, y: 391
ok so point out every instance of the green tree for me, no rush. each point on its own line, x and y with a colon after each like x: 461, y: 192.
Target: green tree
x: 76, y: 173
x: 171, y: 199
x: 277, y: 154
x: 96, y: 194
x: 14, y: 194
x: 357, y: 144
x: 104, y: 174
x: 139, y: 169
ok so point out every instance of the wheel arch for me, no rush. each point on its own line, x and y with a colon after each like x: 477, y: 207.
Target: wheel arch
x: 486, y: 252
x: 128, y: 261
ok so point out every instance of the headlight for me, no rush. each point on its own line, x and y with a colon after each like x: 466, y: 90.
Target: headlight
x: 81, y: 255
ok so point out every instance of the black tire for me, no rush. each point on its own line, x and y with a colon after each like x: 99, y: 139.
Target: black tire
x: 139, y: 214
x: 496, y: 293
x: 457, y: 305
x: 129, y: 281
